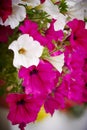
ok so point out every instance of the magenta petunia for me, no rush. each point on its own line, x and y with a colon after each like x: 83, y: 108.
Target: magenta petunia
x: 85, y: 87
x: 5, y: 32
x: 21, y: 126
x: 23, y: 108
x: 55, y: 100
x: 73, y: 86
x: 5, y: 9
x: 42, y: 1
x: 74, y: 59
x: 39, y: 80
x: 85, y: 93
x: 78, y: 37
x: 75, y: 81
x: 84, y: 76
x: 31, y: 28
x: 50, y: 35
x: 53, y: 36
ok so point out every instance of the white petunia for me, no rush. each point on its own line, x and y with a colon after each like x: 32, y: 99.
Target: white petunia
x: 53, y: 11
x: 26, y: 51
x: 60, y: 22
x: 84, y: 4
x: 32, y: 3
x: 75, y: 9
x: 16, y: 2
x: 18, y: 15
x: 1, y: 22
x: 57, y: 61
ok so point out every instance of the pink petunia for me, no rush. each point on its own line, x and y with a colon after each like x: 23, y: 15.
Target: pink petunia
x: 23, y: 108
x: 73, y: 86
x: 42, y: 1
x: 78, y: 37
x: 75, y: 81
x: 39, y: 80
x: 55, y: 100
x: 74, y: 58
x: 84, y: 76
x: 5, y: 9
x: 5, y: 32
x: 31, y: 28
x: 50, y: 34
x: 85, y: 93
x: 53, y: 36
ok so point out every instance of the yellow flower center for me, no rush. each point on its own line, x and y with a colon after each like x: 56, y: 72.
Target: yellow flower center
x: 22, y: 51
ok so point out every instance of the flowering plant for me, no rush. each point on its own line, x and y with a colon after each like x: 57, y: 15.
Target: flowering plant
x: 47, y: 42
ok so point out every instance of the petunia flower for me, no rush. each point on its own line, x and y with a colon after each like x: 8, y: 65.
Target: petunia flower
x: 32, y: 3
x: 5, y: 9
x: 5, y: 32
x: 42, y: 1
x: 16, y: 2
x: 53, y: 36
x: 75, y: 9
x: 50, y: 35
x: 74, y: 59
x: 23, y: 108
x: 73, y: 86
x: 78, y: 36
x: 57, y: 61
x: 31, y: 28
x: 54, y: 13
x: 17, y: 15
x: 39, y: 80
x: 75, y: 82
x: 26, y: 51
x: 84, y: 94
x: 84, y: 76
x: 55, y: 100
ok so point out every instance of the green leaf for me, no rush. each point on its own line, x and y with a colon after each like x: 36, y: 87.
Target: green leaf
x: 63, y: 6
x: 40, y: 17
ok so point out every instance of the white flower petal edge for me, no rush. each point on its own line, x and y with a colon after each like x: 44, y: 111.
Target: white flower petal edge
x: 57, y: 61
x: 16, y: 2
x: 50, y: 8
x: 18, y: 15
x: 53, y: 11
x: 1, y: 22
x: 32, y: 3
x: 26, y: 51
x: 60, y: 22
x: 75, y: 9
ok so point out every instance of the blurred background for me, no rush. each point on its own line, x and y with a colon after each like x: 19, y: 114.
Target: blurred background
x: 59, y: 121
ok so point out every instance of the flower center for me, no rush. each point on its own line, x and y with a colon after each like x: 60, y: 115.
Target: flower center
x: 21, y: 102
x: 34, y: 71
x: 86, y: 85
x: 75, y: 37
x: 22, y: 51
